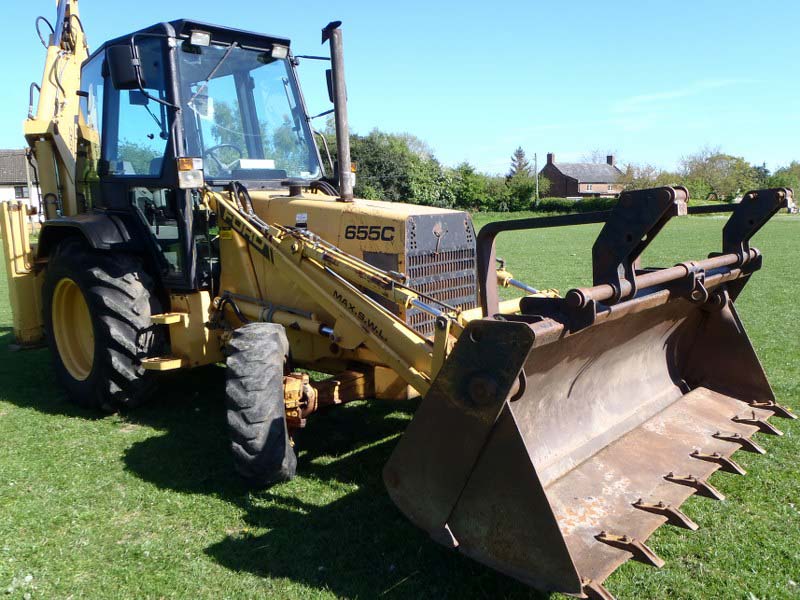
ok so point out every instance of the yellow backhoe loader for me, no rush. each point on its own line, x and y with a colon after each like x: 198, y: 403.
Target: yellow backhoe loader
x: 189, y: 220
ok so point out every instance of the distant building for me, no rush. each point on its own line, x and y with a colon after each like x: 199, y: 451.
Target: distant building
x: 16, y: 177
x: 581, y: 180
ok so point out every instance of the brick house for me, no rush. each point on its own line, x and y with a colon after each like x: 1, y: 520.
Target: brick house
x: 582, y: 180
x: 15, y: 178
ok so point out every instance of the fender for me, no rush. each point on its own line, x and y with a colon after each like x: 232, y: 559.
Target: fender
x: 100, y: 230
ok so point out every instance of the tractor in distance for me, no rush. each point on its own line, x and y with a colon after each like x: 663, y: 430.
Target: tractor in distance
x: 190, y: 219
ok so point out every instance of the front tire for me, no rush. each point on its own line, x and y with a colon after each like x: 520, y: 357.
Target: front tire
x: 262, y: 449
x: 97, y: 309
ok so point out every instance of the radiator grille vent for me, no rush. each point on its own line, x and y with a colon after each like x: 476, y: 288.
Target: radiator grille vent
x: 447, y: 276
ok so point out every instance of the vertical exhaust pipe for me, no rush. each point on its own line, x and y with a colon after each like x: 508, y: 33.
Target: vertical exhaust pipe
x: 333, y: 32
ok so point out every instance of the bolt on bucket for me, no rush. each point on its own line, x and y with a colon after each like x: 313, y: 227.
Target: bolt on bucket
x: 553, y: 443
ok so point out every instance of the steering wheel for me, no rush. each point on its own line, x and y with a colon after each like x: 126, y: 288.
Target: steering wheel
x: 211, y: 153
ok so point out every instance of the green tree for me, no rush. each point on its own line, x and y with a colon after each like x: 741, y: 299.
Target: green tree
x: 469, y: 187
x: 643, y: 176
x: 138, y: 155
x: 227, y: 127
x: 430, y: 184
x: 399, y: 168
x: 286, y: 146
x: 416, y: 145
x: 761, y: 175
x: 788, y: 176
x: 519, y: 164
x: 384, y: 165
x: 544, y: 186
x: 498, y: 194
x: 711, y: 173
x: 521, y: 190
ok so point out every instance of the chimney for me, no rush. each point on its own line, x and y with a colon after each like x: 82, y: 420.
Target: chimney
x: 610, y: 160
x: 551, y: 158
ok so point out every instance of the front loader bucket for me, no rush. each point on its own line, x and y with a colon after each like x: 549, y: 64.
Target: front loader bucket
x: 553, y: 443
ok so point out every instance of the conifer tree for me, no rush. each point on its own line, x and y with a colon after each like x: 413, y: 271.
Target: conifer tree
x: 519, y: 164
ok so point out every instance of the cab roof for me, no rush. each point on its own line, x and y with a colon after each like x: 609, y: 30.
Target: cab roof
x: 182, y: 28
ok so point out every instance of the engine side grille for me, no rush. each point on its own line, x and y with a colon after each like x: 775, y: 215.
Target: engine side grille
x: 441, y: 266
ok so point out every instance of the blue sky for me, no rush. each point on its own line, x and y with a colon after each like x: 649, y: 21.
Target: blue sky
x: 653, y: 81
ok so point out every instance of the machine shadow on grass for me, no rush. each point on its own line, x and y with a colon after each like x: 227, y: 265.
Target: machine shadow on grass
x: 27, y: 380
x: 356, y: 545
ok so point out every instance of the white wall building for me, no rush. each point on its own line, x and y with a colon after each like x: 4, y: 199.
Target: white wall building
x: 17, y: 178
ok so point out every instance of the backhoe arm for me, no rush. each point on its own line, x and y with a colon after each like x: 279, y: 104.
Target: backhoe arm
x: 52, y: 132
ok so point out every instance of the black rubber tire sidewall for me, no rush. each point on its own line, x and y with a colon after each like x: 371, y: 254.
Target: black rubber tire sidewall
x: 256, y: 414
x: 120, y: 298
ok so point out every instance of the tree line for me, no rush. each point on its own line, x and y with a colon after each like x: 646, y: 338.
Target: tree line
x: 710, y: 174
x: 403, y: 168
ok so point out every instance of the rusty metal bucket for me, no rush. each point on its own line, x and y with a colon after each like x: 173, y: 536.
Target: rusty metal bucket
x: 554, y: 442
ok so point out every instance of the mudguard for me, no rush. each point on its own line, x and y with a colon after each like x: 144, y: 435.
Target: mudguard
x: 101, y: 231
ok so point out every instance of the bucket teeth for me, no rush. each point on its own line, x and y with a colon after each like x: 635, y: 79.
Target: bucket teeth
x: 702, y: 488
x: 639, y: 550
x: 596, y: 591
x: 763, y: 425
x: 776, y: 408
x: 725, y: 464
x: 674, y: 515
x: 745, y: 443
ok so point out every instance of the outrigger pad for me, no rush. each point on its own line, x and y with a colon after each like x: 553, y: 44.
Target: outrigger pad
x: 552, y: 458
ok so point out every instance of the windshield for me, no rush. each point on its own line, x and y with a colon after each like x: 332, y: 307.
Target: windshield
x: 243, y: 115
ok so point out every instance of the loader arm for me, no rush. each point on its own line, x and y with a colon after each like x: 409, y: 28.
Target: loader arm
x: 333, y: 278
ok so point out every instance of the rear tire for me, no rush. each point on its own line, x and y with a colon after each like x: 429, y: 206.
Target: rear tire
x: 262, y: 449
x: 97, y: 309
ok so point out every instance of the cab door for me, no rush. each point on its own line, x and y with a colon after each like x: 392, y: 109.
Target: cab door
x: 137, y: 167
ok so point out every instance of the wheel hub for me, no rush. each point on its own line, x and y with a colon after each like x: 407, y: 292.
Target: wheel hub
x: 73, y: 329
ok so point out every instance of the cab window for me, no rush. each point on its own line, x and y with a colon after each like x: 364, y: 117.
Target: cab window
x: 137, y: 126
x: 90, y: 126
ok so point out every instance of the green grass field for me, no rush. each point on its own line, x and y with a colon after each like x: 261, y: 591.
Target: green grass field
x: 146, y: 505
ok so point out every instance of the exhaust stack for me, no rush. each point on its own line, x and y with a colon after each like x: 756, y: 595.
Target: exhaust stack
x: 333, y: 32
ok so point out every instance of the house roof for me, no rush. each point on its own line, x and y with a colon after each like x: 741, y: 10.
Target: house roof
x: 12, y: 167
x: 590, y: 172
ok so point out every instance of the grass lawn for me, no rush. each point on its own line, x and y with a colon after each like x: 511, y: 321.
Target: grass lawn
x: 146, y: 505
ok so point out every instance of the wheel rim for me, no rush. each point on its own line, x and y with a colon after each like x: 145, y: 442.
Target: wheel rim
x: 72, y: 329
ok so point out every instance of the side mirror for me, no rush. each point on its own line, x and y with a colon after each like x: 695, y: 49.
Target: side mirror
x: 123, y: 68
x: 329, y: 81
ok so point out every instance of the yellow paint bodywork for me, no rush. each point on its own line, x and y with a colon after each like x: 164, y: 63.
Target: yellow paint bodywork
x: 163, y: 363
x: 54, y: 130
x: 193, y: 343
x: 288, y: 278
x: 72, y: 329
x: 24, y: 285
x: 327, y: 218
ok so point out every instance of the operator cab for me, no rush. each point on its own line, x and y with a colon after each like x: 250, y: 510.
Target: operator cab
x: 194, y: 91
